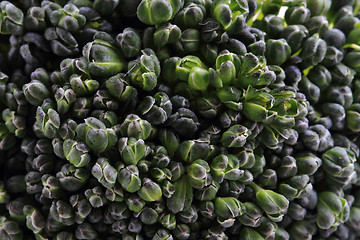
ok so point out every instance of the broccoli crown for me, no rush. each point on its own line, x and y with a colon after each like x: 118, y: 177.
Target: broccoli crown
x: 179, y: 119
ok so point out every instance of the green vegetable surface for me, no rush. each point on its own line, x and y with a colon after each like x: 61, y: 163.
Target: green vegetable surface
x: 179, y: 119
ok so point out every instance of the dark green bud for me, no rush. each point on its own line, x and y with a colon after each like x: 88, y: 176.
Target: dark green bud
x: 109, y: 118
x: 166, y: 34
x: 317, y: 138
x: 35, y: 19
x: 103, y: 100
x: 85, y: 231
x: 230, y: 15
x: 256, y: 105
x: 148, y: 216
x: 118, y: 211
x: 62, y: 212
x: 35, y: 221
x: 182, y: 198
x: 300, y: 230
x: 145, y: 70
x: 72, y: 178
x: 275, y: 205
x: 198, y: 78
x: 227, y: 65
x: 295, y: 35
x: 353, y: 117
x: 271, y: 24
x: 156, y: 109
x: 159, y: 11
x: 68, y: 129
x: 318, y: 7
x: 162, y: 234
x: 207, y: 209
x: 297, y: 15
x: 338, y: 164
x: 177, y: 170
x: 230, y: 96
x: 332, y: 210
x: 106, y: 7
x: 250, y: 234
x: 35, y: 92
x: 296, y: 211
x: 277, y: 51
x: 96, y: 197
x: 131, y: 150
x: 115, y: 194
x: 227, y: 208
x: 191, y: 16
x: 134, y: 126
x: 120, y: 88
x: 95, y: 134
x: 246, y: 157
x: 236, y: 46
x: 189, y: 41
x: 208, y: 193
x: 268, y: 179
x: 342, y: 95
x: 104, y: 172
x: 12, y: 18
x: 168, y: 221
x: 130, y: 42
x: 334, y: 37
x: 150, y: 191
x: 4, y: 196
x: 184, y: 66
x: 342, y: 74
x: 10, y: 229
x: 14, y: 123
x: 62, y: 42
x: 307, y: 163
x: 199, y: 174
x: 33, y: 182
x: 76, y: 153
x: 258, y: 48
x: 208, y: 106
x: 251, y: 216
x: 129, y: 178
x: 332, y: 57
x: 313, y: 51
x: 352, y: 60
x: 320, y: 76
x: 104, y: 58
x: 353, y: 36
x: 181, y: 232
x: 135, y: 203
x: 335, y: 111
x: 169, y: 68
x: 64, y: 235
x: 83, y: 86
x: 296, y: 187
x: 160, y: 174
x: 64, y: 97
x: 229, y: 118
x: 51, y: 187
x: 68, y: 18
x: 287, y: 168
x: 70, y: 66
x: 253, y: 71
x: 170, y: 140
x: 189, y: 216
x: 235, y: 136
x: 192, y: 150
x: 48, y: 119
